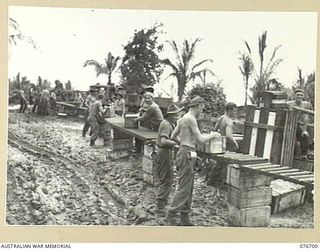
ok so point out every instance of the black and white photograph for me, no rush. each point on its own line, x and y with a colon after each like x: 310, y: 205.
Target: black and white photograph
x: 160, y: 118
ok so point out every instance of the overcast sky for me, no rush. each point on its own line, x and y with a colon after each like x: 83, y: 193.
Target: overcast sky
x: 68, y: 37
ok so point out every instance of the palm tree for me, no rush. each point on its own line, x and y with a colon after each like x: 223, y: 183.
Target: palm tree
x: 107, y: 68
x: 263, y: 80
x: 246, y: 69
x: 182, y: 70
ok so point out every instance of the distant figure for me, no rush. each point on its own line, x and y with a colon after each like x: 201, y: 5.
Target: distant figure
x: 120, y: 105
x: 163, y: 159
x: 44, y: 103
x: 78, y: 99
x: 37, y: 99
x: 95, y: 114
x: 224, y: 125
x: 23, y: 102
x: 53, y: 99
x: 89, y: 100
x: 189, y: 134
x: 302, y: 135
x: 153, y: 115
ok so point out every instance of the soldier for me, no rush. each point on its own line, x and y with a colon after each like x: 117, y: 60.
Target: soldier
x: 95, y: 114
x: 163, y: 159
x: 224, y: 125
x: 302, y: 135
x: 188, y: 131
x: 153, y: 115
x: 120, y: 105
x: 89, y: 100
x: 23, y: 102
x: 38, y: 97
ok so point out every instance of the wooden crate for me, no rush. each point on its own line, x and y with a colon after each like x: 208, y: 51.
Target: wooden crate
x: 252, y: 197
x: 148, y: 165
x: 305, y: 165
x: 150, y: 179
x: 286, y: 195
x: 149, y: 150
x: 129, y: 121
x: 245, y: 179
x: 274, y: 99
x: 120, y: 144
x: 249, y: 217
x: 118, y: 134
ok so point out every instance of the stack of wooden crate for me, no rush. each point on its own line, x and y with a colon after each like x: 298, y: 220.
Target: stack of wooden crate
x: 249, y: 198
x: 148, y: 167
x: 105, y: 133
x: 120, y: 140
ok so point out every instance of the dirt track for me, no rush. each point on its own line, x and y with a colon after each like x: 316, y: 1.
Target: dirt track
x: 55, y: 178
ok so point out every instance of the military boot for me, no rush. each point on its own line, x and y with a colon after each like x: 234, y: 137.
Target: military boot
x: 185, y: 220
x: 171, y: 219
x: 92, y: 143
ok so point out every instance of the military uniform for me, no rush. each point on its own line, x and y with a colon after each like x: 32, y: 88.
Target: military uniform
x: 89, y: 100
x: 94, y: 113
x: 163, y: 163
x: 186, y: 161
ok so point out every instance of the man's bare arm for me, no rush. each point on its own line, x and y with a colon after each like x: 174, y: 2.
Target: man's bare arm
x: 200, y: 138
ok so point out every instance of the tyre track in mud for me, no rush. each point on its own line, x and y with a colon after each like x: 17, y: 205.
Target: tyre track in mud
x: 80, y: 176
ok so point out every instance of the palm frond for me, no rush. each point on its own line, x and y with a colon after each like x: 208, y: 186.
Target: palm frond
x: 200, y: 63
x: 169, y: 63
x: 98, y: 66
x: 248, y: 47
x: 176, y: 50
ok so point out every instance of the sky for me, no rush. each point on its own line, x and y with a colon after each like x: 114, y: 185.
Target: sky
x: 67, y: 37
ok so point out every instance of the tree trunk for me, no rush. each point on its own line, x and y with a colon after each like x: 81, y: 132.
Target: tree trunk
x: 109, y: 79
x: 246, y: 93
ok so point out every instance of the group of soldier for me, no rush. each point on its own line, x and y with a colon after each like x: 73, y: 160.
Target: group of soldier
x: 177, y: 127
x: 41, y: 101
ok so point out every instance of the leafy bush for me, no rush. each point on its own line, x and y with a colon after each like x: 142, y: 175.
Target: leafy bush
x: 141, y: 64
x: 213, y: 95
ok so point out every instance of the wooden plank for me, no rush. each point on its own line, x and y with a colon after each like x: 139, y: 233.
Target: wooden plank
x: 269, y: 136
x: 245, y: 147
x: 261, y: 135
x: 254, y: 133
x: 301, y: 176
x: 268, y: 167
x: 258, y: 165
x: 141, y: 133
x: 289, y: 138
x: 301, y: 173
x: 305, y: 179
x: 263, y: 126
x: 284, y: 171
x: 277, y: 140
